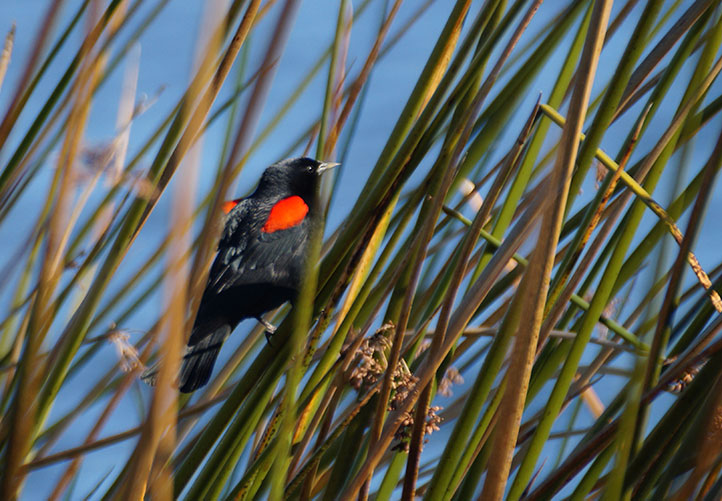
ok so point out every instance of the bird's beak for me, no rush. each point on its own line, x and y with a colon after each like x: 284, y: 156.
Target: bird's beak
x: 326, y: 166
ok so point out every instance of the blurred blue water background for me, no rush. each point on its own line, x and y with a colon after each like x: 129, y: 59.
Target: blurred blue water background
x: 167, y: 50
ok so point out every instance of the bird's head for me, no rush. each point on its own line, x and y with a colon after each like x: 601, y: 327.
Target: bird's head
x: 294, y: 176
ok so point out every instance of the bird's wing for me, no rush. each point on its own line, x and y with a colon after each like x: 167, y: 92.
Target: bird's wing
x: 247, y: 255
x: 232, y: 244
x: 273, y: 258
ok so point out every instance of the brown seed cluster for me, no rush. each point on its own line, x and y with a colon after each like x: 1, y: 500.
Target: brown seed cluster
x: 601, y: 173
x: 371, y: 364
x: 403, y: 434
x: 402, y: 383
x: 451, y: 377
x: 370, y: 360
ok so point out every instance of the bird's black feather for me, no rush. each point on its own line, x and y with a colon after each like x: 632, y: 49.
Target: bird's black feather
x: 254, y: 270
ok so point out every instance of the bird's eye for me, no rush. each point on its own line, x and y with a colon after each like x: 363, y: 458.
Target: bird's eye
x: 309, y: 168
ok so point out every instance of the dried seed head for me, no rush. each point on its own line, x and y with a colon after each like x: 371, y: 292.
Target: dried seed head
x: 99, y: 157
x: 451, y: 377
x: 403, y: 433
x: 425, y: 345
x: 127, y: 353
x: 371, y: 359
x: 401, y: 385
x: 469, y: 189
x: 433, y: 419
x: 601, y: 173
x: 609, y: 312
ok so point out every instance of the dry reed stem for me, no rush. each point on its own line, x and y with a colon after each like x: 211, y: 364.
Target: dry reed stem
x: 24, y: 416
x: 124, y: 116
x: 152, y: 470
x: 458, y: 322
x: 560, y: 302
x: 685, y: 243
x: 357, y: 85
x: 6, y: 53
x: 15, y: 106
x: 535, y: 283
x: 425, y: 237
x: 668, y: 41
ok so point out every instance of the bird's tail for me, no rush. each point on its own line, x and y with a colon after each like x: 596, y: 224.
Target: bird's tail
x: 198, y: 360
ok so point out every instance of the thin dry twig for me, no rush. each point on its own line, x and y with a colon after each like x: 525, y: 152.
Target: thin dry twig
x: 6, y: 53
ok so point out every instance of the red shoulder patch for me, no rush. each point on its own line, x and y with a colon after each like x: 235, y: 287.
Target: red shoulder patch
x: 287, y: 213
x: 229, y: 205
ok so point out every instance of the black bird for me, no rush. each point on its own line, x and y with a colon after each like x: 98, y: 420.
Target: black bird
x: 259, y: 264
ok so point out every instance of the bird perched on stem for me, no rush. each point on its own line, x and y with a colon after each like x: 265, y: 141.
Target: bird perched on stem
x: 259, y: 263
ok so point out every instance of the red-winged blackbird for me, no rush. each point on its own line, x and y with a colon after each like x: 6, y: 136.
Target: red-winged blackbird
x: 259, y: 262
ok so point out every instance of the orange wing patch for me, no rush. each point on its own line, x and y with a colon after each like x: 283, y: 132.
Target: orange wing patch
x: 287, y: 213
